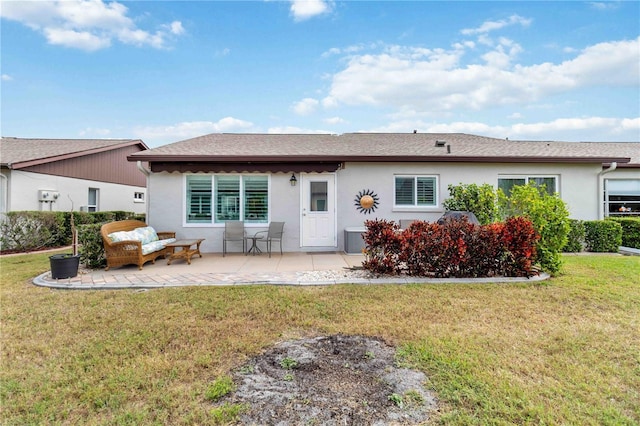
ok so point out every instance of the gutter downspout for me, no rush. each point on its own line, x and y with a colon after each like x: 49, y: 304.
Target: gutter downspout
x: 147, y: 173
x: 611, y: 168
x: 5, y: 193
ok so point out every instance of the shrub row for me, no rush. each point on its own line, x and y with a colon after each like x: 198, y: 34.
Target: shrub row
x: 630, y: 230
x: 603, y: 235
x: 455, y: 248
x: 548, y: 213
x: 33, y: 230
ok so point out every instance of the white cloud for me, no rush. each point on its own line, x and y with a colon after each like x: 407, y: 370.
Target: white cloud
x: 86, y: 24
x: 6, y: 77
x: 176, y: 28
x: 609, y: 5
x: 91, y: 132
x: 434, y: 80
x: 83, y: 40
x: 294, y: 131
x: 570, y: 129
x: 489, y: 26
x: 306, y: 9
x: 189, y: 129
x: 306, y: 106
x: 515, y: 116
x: 563, y: 129
x: 334, y: 120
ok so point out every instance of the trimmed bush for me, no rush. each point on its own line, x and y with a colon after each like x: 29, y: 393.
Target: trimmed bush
x: 630, y: 231
x: 91, y: 246
x: 603, y: 236
x: 550, y: 218
x: 455, y: 248
x: 32, y: 230
x: 382, y: 246
x: 575, y: 238
x: 481, y: 200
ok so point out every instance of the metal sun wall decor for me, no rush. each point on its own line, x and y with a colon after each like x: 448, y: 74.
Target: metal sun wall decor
x: 366, y: 201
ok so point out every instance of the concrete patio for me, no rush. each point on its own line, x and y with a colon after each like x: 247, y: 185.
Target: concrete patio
x: 302, y: 269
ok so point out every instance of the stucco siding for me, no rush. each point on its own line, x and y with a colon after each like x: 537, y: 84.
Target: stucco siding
x: 578, y: 186
x: 24, y: 188
x: 167, y: 194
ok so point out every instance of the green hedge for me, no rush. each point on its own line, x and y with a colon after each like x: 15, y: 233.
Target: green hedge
x: 91, y: 246
x: 603, y: 236
x: 32, y: 230
x: 575, y: 238
x: 23, y: 231
x: 630, y: 230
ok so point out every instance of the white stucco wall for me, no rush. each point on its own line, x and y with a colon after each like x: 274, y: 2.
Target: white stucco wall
x: 166, y: 199
x: 578, y: 187
x: 23, y: 190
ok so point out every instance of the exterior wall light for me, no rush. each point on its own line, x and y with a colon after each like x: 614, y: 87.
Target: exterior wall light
x: 293, y: 181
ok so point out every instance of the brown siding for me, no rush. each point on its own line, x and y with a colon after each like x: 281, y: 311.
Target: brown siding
x: 108, y: 166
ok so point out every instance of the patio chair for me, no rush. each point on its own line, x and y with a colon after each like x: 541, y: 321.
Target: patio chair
x: 233, y: 231
x: 276, y: 229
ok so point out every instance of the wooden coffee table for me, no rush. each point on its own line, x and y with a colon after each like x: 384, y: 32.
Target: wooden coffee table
x: 186, y: 251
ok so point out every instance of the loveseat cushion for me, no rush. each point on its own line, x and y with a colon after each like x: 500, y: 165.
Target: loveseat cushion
x: 145, y: 235
x: 156, y: 245
x: 116, y: 237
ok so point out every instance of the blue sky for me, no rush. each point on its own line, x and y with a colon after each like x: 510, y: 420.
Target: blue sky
x: 165, y: 71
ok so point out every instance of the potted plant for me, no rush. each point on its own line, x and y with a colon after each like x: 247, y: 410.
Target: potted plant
x: 66, y: 265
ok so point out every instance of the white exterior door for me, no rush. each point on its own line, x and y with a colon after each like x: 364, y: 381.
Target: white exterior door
x: 318, y: 210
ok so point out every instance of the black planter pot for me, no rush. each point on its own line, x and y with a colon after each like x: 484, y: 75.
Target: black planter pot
x: 64, y: 265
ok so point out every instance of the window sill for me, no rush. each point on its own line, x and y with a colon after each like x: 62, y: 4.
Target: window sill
x: 417, y: 210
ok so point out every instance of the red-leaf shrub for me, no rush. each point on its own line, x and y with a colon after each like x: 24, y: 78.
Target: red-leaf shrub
x: 454, y: 249
x: 519, y: 238
x: 382, y: 246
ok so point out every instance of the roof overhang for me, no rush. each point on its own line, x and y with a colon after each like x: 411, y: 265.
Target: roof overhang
x: 246, y: 166
x: 292, y: 163
x: 22, y: 164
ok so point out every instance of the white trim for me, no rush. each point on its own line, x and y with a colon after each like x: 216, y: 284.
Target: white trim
x: 527, y: 176
x: 213, y: 223
x: 417, y: 207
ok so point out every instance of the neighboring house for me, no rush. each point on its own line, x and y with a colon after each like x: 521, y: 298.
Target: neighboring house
x: 314, y: 182
x: 56, y: 174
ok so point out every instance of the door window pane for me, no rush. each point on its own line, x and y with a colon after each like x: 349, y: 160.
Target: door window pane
x: 318, y: 197
x: 92, y: 203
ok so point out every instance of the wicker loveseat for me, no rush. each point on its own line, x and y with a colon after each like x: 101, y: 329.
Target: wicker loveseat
x: 129, y: 242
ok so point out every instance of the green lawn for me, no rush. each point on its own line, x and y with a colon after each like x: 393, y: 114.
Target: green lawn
x: 562, y: 352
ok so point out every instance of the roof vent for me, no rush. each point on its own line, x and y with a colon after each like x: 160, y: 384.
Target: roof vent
x: 441, y: 143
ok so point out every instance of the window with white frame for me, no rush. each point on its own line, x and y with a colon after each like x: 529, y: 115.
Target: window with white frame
x: 415, y: 191
x: 549, y: 183
x: 199, y: 199
x: 138, y: 197
x: 218, y: 198
x: 622, y: 197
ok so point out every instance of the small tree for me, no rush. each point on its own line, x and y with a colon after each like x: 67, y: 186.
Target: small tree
x: 481, y: 200
x: 550, y: 218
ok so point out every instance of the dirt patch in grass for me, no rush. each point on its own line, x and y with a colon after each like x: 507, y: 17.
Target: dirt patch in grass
x: 347, y: 380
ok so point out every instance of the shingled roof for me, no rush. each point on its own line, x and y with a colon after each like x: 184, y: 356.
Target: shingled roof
x: 16, y: 153
x: 385, y: 147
